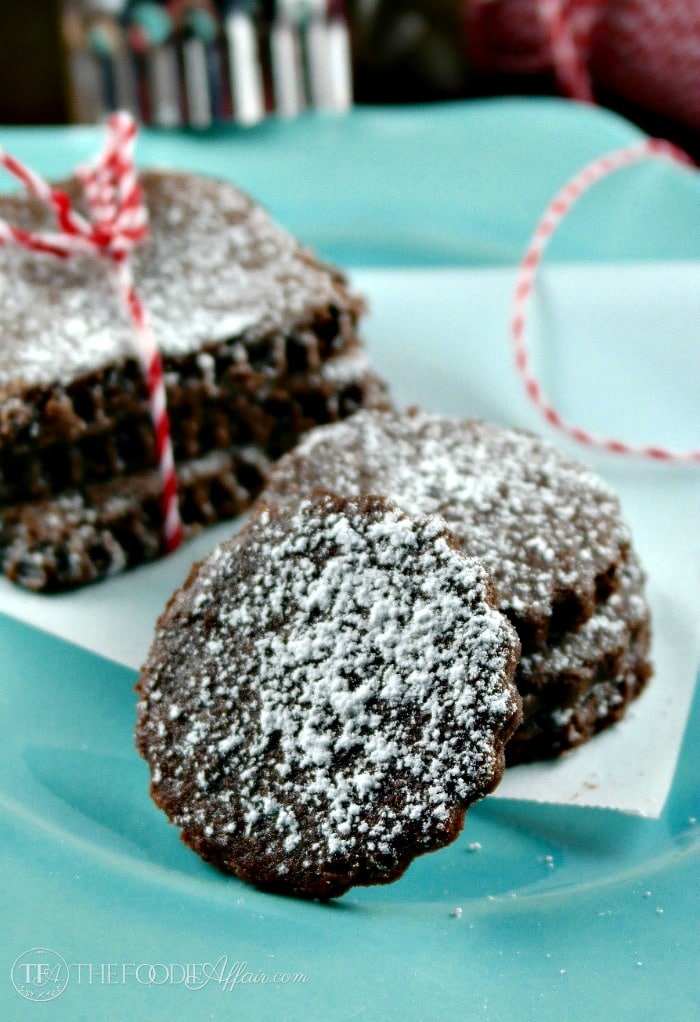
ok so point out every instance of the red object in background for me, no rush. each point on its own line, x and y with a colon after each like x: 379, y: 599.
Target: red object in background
x: 649, y: 51
x: 645, y: 52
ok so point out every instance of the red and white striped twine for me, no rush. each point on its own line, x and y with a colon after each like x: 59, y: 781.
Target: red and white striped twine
x: 118, y: 221
x: 552, y: 217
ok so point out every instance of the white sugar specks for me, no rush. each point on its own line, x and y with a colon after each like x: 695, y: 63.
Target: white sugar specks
x: 544, y: 526
x: 214, y: 267
x: 361, y: 683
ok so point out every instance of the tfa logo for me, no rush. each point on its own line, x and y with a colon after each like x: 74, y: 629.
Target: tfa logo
x: 40, y: 974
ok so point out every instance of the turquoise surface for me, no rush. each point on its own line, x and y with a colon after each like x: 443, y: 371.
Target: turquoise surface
x: 566, y: 913
x: 605, y: 928
x: 450, y: 184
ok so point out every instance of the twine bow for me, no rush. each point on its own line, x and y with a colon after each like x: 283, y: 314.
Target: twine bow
x: 118, y: 220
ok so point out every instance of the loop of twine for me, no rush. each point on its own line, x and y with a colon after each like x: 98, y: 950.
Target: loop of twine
x: 552, y: 217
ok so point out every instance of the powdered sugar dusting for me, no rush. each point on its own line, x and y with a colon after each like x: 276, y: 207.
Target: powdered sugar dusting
x: 215, y: 267
x: 544, y: 525
x: 357, y: 696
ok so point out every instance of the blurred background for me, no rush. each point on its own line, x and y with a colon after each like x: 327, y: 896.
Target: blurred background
x: 198, y: 62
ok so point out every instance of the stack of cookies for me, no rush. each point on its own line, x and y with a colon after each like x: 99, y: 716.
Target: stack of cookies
x: 548, y: 530
x: 259, y: 343
x: 415, y: 601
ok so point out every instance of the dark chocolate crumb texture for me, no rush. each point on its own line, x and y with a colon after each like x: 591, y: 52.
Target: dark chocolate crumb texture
x: 605, y: 638
x: 585, y: 682
x: 549, y: 730
x: 326, y: 696
x: 258, y: 340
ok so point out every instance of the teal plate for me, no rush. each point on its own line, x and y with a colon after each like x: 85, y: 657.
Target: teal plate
x: 536, y: 912
x: 445, y: 185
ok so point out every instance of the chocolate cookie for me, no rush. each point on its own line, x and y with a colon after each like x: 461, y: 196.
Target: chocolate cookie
x: 547, y: 528
x: 259, y: 342
x: 326, y: 696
